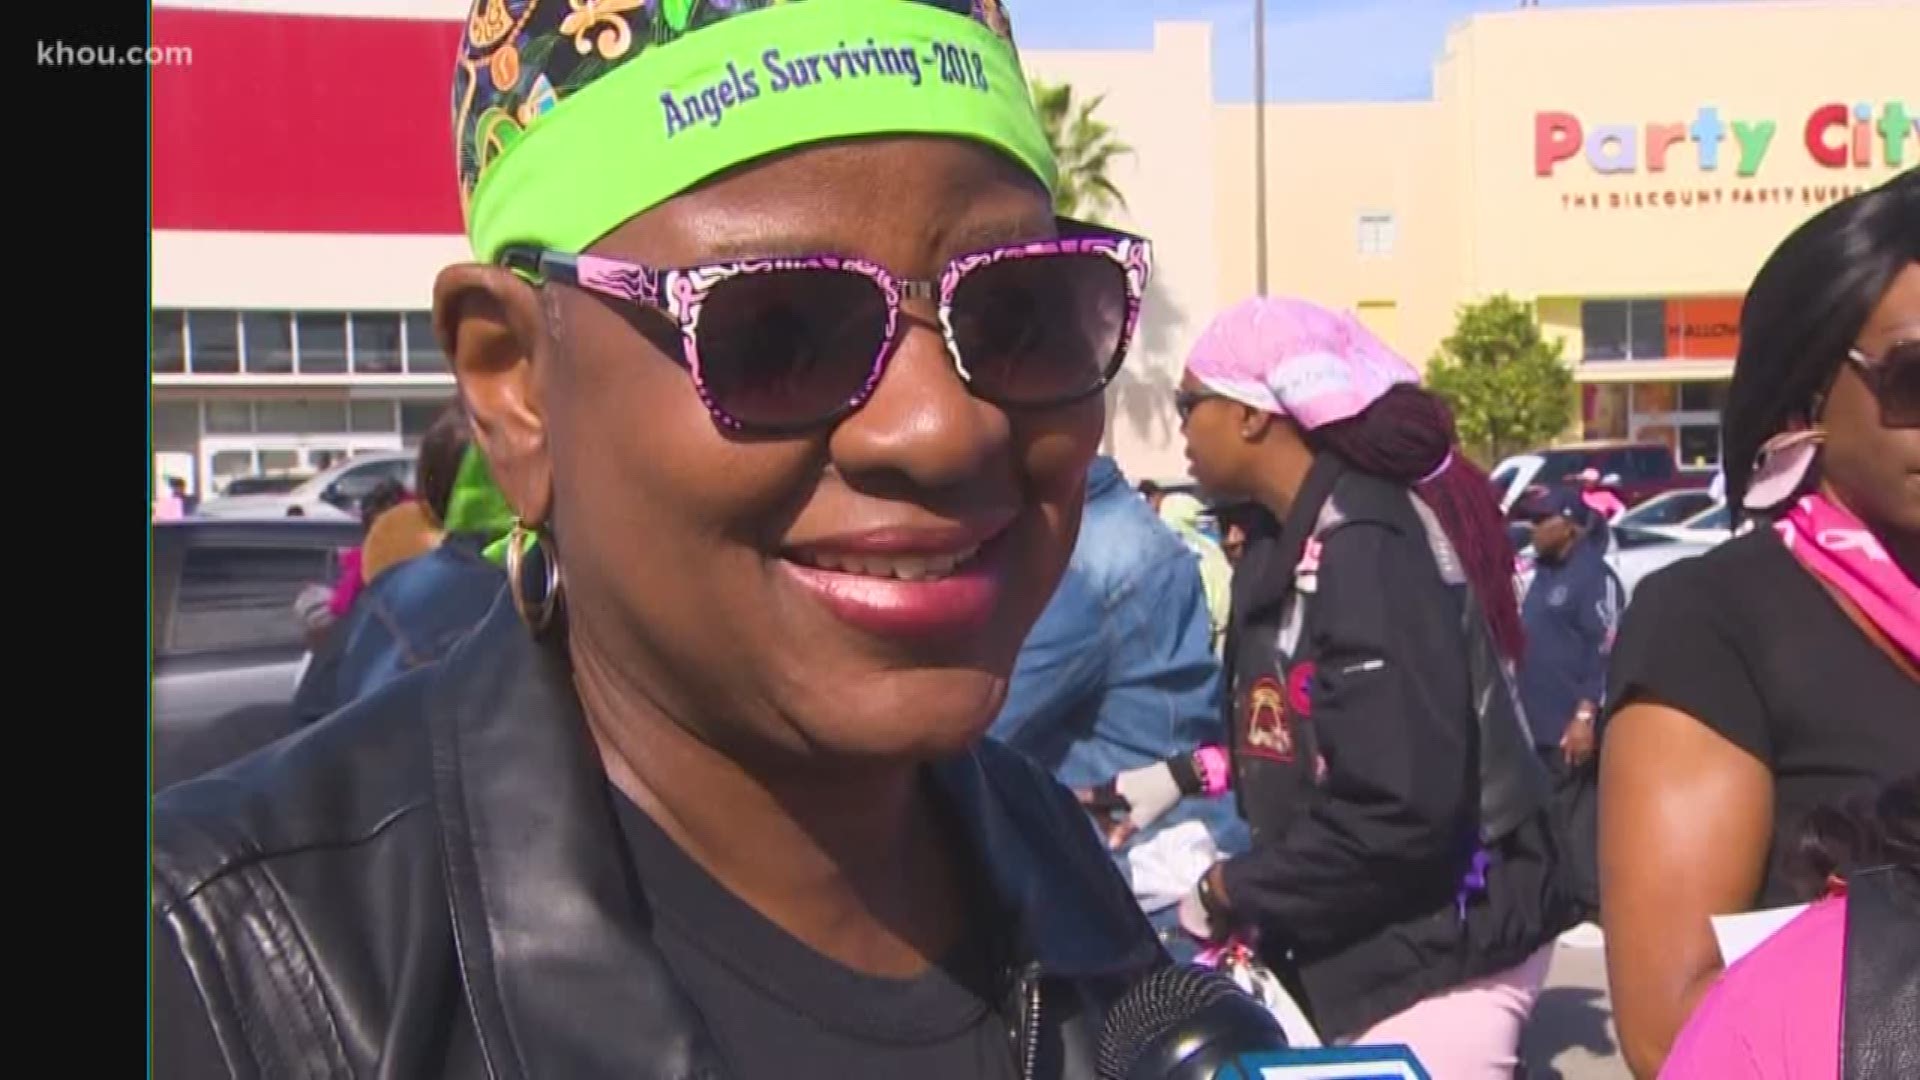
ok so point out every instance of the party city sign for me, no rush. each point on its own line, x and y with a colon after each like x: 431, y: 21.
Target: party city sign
x: 1834, y: 135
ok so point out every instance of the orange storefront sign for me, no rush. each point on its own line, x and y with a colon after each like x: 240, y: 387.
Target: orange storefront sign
x: 1705, y: 328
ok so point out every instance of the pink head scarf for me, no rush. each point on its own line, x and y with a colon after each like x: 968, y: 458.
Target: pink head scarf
x: 1296, y: 359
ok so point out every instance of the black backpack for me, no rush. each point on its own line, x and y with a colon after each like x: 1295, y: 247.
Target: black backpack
x: 1880, y: 1012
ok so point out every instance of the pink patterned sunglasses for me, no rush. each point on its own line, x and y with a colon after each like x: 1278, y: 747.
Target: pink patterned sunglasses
x: 780, y: 346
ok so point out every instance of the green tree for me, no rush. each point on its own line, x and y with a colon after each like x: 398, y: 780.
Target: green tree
x: 1508, y: 386
x: 1085, y: 148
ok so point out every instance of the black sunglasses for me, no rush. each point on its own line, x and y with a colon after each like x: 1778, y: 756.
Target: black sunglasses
x: 1185, y: 401
x: 1893, y: 377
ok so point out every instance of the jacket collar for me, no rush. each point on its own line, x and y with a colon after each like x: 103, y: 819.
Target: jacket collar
x: 1103, y: 476
x: 561, y: 975
x: 1267, y: 577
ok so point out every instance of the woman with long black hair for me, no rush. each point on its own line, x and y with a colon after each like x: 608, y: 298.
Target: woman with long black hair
x: 1780, y: 671
x: 1402, y: 873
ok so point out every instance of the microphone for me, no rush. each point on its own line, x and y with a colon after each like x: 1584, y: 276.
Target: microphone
x: 1184, y: 1022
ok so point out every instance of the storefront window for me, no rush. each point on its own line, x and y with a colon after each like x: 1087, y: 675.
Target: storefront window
x: 1699, y: 446
x: 376, y: 343
x: 1604, y: 411
x: 1647, y: 330
x: 269, y: 342
x: 1603, y: 323
x: 323, y: 343
x: 423, y: 348
x: 1683, y: 416
x: 169, y: 343
x: 1624, y: 329
x: 1654, y: 397
x: 213, y: 339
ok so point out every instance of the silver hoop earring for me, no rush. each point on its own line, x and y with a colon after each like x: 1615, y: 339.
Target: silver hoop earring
x: 528, y: 557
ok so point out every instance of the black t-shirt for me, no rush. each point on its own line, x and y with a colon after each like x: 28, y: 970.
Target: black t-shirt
x: 778, y: 1009
x: 1745, y: 640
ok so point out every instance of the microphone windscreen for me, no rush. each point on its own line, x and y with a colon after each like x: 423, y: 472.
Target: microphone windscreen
x: 1158, y: 1006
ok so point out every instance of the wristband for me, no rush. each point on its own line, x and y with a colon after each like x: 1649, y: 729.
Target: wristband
x: 1215, y: 769
x: 1186, y: 773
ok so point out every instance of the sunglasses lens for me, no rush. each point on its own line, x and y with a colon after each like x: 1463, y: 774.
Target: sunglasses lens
x: 785, y: 349
x: 1900, y: 385
x: 1040, y: 330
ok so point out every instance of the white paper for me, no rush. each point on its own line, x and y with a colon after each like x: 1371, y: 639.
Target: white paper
x: 1741, y: 934
x: 1167, y: 867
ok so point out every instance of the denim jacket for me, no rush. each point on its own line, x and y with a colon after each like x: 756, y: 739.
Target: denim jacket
x: 1120, y: 672
x: 407, y: 618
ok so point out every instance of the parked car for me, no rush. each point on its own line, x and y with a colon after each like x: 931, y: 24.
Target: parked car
x: 1671, y: 508
x: 1633, y: 554
x: 262, y: 485
x: 1511, y: 477
x: 1635, y: 472
x: 228, y: 648
x: 1632, y: 563
x: 334, y: 494
x: 1707, y: 527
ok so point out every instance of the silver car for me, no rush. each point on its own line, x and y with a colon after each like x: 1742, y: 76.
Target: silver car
x: 334, y: 494
x: 228, y: 647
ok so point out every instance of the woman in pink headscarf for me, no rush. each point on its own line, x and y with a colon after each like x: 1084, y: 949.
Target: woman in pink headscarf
x: 1597, y: 497
x: 1402, y: 868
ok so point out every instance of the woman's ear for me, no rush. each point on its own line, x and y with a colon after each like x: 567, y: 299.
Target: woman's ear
x: 494, y: 328
x: 1254, y: 423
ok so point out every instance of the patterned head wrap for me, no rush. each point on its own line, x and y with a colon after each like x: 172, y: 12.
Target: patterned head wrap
x: 572, y: 116
x: 1298, y: 360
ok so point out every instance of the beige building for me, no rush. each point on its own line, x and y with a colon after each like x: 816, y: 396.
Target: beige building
x: 1628, y: 168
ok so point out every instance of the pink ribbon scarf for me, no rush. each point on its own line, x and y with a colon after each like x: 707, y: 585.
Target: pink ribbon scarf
x: 1836, y: 548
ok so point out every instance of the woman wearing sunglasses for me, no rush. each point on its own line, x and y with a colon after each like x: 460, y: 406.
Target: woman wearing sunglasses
x: 1781, y: 671
x: 792, y: 379
x: 1401, y: 864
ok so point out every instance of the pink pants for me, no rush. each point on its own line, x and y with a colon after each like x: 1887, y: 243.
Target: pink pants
x: 1471, y: 1032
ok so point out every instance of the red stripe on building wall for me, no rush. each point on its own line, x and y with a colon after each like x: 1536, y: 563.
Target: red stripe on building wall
x: 291, y: 123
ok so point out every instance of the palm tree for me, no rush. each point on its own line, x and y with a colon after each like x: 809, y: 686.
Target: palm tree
x: 1085, y: 149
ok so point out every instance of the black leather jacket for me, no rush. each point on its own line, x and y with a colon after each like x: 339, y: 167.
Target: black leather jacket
x: 1378, y: 749
x: 430, y: 884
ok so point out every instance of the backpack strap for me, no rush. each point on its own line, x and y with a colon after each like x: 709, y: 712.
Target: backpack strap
x: 1514, y: 786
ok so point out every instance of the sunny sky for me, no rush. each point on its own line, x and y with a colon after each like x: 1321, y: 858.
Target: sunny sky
x: 1317, y: 50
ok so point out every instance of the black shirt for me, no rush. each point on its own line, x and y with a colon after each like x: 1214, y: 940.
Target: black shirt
x: 1745, y: 640
x: 778, y: 1009
x: 774, y: 1007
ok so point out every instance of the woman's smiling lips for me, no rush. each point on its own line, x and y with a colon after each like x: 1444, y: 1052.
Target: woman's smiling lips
x: 912, y: 582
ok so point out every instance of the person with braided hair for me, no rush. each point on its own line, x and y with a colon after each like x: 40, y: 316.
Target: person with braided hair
x: 1403, y: 875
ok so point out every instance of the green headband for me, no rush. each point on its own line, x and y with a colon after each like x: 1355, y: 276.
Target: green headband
x: 672, y: 92
x: 477, y: 506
